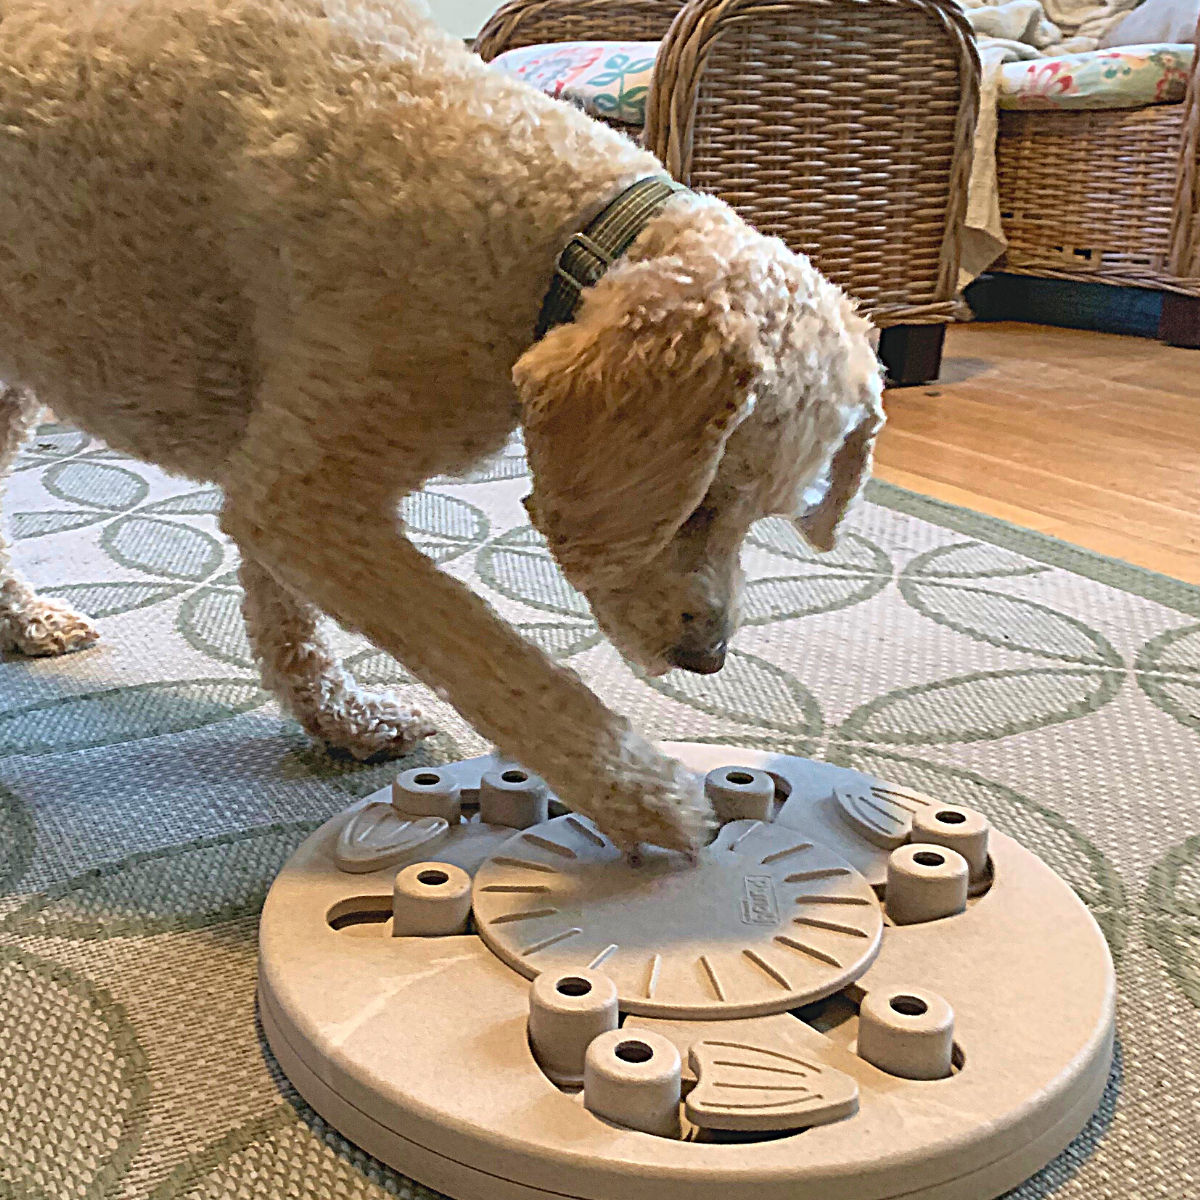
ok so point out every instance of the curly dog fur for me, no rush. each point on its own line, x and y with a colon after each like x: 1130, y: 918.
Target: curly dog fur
x: 297, y: 247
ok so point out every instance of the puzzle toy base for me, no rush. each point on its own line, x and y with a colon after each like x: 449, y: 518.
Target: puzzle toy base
x: 858, y: 993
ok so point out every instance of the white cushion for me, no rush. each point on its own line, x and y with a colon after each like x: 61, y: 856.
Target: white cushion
x: 1156, y: 21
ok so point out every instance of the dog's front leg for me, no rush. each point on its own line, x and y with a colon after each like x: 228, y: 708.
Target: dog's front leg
x: 352, y: 560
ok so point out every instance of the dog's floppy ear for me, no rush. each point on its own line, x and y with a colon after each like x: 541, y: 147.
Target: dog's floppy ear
x: 848, y: 471
x: 626, y: 414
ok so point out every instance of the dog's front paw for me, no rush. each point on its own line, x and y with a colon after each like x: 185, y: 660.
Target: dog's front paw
x: 44, y: 628
x: 656, y: 802
x: 368, y: 725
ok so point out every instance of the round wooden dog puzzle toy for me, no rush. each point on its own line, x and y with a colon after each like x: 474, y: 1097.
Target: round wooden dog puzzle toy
x: 858, y: 993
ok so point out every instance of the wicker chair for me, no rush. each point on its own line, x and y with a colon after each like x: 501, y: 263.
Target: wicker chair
x: 1109, y: 197
x: 842, y: 126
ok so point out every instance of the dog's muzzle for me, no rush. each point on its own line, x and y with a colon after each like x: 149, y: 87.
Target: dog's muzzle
x: 700, y: 660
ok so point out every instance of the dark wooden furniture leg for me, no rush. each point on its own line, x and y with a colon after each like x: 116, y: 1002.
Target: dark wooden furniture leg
x: 1180, y: 322
x: 912, y: 354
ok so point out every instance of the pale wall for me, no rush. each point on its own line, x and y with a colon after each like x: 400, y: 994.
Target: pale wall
x: 463, y: 17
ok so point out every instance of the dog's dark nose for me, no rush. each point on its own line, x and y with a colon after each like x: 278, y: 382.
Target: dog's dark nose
x: 700, y: 660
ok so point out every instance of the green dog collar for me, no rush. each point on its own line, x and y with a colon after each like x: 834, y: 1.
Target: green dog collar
x: 593, y: 250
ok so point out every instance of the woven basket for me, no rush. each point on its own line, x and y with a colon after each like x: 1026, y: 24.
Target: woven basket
x: 1104, y: 197
x: 842, y: 126
x: 536, y: 22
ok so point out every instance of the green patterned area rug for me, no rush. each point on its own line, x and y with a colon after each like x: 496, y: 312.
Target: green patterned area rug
x: 149, y: 791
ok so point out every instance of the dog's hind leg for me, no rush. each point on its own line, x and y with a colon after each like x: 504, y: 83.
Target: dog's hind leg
x: 303, y: 672
x: 30, y: 624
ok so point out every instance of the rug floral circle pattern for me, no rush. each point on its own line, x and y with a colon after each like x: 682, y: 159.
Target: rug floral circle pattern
x: 149, y: 790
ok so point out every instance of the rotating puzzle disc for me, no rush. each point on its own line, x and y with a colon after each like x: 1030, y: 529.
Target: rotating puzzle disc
x: 766, y: 921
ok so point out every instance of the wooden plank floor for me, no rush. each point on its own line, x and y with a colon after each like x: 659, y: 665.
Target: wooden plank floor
x: 1090, y: 437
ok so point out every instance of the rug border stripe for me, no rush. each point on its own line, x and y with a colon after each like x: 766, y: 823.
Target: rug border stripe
x: 1112, y: 572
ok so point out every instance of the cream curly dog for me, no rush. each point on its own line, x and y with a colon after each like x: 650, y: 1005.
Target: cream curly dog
x: 299, y: 248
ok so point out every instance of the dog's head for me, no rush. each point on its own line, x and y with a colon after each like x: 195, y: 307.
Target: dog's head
x: 711, y: 378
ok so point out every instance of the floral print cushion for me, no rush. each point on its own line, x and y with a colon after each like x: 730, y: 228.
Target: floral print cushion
x: 607, y: 79
x: 610, y: 79
x: 1124, y: 77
